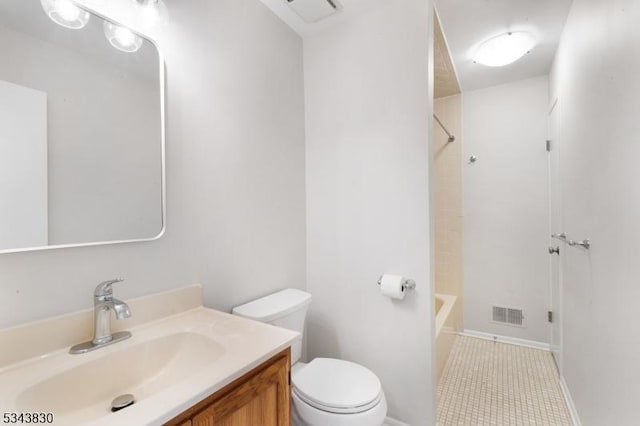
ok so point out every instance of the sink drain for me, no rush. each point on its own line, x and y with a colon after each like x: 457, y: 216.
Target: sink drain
x: 123, y: 401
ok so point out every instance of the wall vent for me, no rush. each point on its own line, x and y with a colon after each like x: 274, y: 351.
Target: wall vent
x: 510, y: 316
x: 313, y: 10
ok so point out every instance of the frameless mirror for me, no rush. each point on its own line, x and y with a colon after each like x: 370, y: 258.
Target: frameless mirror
x: 81, y: 129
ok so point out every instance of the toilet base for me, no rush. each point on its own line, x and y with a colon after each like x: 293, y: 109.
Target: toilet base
x: 305, y: 415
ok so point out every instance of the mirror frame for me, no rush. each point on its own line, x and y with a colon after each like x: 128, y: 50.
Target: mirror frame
x: 163, y: 169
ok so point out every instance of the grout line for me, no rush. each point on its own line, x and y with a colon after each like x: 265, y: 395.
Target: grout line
x: 493, y: 383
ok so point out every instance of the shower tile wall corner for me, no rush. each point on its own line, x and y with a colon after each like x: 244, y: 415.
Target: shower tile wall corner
x: 447, y: 175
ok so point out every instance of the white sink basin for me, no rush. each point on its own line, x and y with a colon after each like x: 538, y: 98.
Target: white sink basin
x: 168, y: 366
x: 86, y: 391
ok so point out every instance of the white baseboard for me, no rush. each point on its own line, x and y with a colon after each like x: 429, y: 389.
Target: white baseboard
x: 572, y: 408
x: 393, y: 422
x: 506, y: 339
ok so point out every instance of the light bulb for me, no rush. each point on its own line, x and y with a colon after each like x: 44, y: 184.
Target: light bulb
x: 122, y: 38
x: 504, y: 49
x: 151, y: 12
x: 67, y: 10
x: 65, y: 13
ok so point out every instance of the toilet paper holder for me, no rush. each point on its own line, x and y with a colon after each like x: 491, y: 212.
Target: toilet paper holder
x: 407, y: 284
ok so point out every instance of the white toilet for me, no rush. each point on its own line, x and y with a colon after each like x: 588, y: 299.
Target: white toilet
x: 325, y: 392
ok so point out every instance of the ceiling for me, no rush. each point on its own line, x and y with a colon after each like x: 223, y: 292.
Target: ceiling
x: 347, y: 8
x: 467, y: 23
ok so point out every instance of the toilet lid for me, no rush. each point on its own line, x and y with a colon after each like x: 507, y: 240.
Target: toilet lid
x: 337, y: 386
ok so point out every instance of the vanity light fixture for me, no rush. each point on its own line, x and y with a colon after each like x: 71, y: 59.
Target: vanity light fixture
x: 152, y: 11
x: 66, y: 13
x: 504, y: 49
x: 122, y: 38
x: 147, y: 3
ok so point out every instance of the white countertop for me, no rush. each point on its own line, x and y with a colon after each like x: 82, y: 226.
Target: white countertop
x: 233, y: 346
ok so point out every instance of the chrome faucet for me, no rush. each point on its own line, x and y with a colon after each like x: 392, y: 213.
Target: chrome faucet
x: 104, y: 303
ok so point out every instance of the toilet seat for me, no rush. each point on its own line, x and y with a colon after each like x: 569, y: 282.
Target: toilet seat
x: 337, y: 386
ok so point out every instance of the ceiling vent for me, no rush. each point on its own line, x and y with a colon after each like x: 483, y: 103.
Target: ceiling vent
x: 313, y: 10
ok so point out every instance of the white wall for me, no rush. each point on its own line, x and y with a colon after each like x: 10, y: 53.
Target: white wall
x: 236, y: 199
x: 368, y: 107
x: 505, y: 207
x: 595, y: 77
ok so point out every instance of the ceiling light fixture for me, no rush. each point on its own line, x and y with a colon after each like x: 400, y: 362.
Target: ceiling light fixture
x: 65, y: 13
x: 122, y: 38
x: 504, y: 49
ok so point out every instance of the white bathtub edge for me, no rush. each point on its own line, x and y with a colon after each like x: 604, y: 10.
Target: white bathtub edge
x: 442, y: 316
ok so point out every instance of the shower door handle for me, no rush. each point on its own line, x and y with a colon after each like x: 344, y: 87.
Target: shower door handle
x: 554, y: 250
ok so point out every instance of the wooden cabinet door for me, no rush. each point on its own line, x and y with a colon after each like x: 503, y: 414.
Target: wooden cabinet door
x: 263, y: 399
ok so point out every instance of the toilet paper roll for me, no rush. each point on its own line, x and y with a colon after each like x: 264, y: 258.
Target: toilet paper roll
x: 391, y: 286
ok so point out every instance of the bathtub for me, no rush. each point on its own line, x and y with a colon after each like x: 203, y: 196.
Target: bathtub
x: 448, y: 323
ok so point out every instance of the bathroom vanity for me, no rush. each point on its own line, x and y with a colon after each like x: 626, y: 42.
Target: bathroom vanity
x: 184, y: 364
x: 260, y: 397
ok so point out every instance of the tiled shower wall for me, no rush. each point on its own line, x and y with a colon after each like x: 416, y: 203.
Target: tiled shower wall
x: 447, y: 175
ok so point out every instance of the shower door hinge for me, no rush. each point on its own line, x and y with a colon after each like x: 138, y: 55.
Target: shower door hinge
x: 548, y: 145
x: 550, y: 316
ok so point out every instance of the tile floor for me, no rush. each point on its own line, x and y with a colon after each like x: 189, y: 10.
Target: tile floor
x: 489, y: 383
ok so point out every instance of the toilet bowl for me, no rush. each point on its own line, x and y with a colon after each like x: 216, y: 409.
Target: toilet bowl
x: 326, y: 391
x: 338, y: 393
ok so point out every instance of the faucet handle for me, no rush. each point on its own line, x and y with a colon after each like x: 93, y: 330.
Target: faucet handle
x: 104, y: 288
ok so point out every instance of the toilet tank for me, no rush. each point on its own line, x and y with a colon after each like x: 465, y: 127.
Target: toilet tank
x: 286, y: 309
